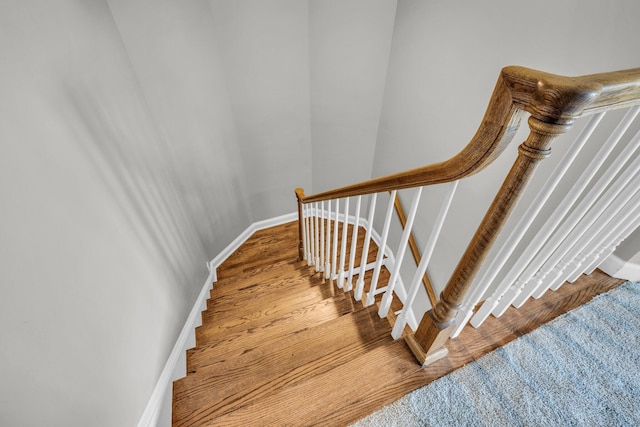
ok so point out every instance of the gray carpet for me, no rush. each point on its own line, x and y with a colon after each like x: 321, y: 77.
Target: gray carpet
x: 582, y: 369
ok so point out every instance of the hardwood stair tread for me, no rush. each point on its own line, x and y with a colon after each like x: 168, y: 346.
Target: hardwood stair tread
x: 287, y: 324
x: 267, y: 271
x: 238, y: 379
x: 230, y: 307
x: 264, y: 246
x: 363, y: 323
x: 284, y: 407
x: 262, y: 312
x: 253, y: 297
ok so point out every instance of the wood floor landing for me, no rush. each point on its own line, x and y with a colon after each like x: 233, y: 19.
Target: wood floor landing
x: 280, y: 346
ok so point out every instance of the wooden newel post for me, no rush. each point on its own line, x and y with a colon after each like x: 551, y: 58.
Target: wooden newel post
x: 300, y: 197
x: 427, y: 344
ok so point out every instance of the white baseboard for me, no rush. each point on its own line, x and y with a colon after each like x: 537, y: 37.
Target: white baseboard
x: 158, y: 409
x: 616, y: 267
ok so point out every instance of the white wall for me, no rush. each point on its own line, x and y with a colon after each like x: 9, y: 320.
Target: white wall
x: 265, y: 52
x: 349, y: 54
x: 444, y: 62
x: 118, y: 180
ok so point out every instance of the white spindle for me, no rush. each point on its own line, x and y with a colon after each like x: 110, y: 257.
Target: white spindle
x: 309, y: 236
x: 402, y: 247
x: 305, y: 240
x: 582, y: 219
x: 334, y: 254
x: 536, y: 272
x: 528, y: 261
x: 357, y: 294
x: 354, y: 242
x: 482, y: 284
x: 427, y: 252
x: 316, y: 238
x: 327, y: 257
x: 605, y: 252
x: 380, y: 257
x: 321, y: 236
x: 610, y: 235
x: 343, y: 245
x: 584, y: 233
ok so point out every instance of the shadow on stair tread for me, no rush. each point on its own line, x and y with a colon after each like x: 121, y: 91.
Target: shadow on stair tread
x: 289, y: 264
x: 248, y: 316
x: 275, y: 309
x: 251, y: 310
x: 293, y: 321
x: 248, y: 294
x: 360, y: 324
x: 271, y: 280
x: 241, y: 378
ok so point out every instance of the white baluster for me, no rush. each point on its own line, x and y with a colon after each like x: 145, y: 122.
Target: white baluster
x: 305, y: 240
x: 327, y: 257
x: 321, y: 267
x: 531, y: 260
x: 606, y: 251
x: 598, y: 256
x: 309, y: 235
x: 535, y: 274
x: 610, y: 236
x: 592, y: 224
x: 427, y: 252
x: 585, y: 219
x: 343, y: 245
x: 334, y: 255
x: 354, y: 242
x: 482, y: 284
x: 385, y: 305
x: 371, y: 295
x: 365, y: 250
x: 316, y: 238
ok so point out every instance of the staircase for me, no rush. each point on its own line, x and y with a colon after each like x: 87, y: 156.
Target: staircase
x: 287, y: 342
x: 279, y: 345
x: 273, y: 333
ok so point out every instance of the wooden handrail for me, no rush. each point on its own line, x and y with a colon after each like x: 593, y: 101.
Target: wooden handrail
x: 554, y: 103
x: 547, y: 97
x: 433, y: 299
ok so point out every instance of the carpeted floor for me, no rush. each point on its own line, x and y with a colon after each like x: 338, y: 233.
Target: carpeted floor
x: 582, y: 369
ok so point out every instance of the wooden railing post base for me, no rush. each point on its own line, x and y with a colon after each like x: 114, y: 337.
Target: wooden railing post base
x: 427, y: 343
x: 423, y: 357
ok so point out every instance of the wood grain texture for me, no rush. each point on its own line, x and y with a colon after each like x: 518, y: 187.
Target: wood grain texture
x: 549, y: 98
x: 328, y: 362
x: 234, y: 380
x: 554, y: 103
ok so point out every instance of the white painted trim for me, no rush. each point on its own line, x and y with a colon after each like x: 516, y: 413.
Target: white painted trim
x: 616, y: 267
x: 155, y: 413
x: 151, y: 415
